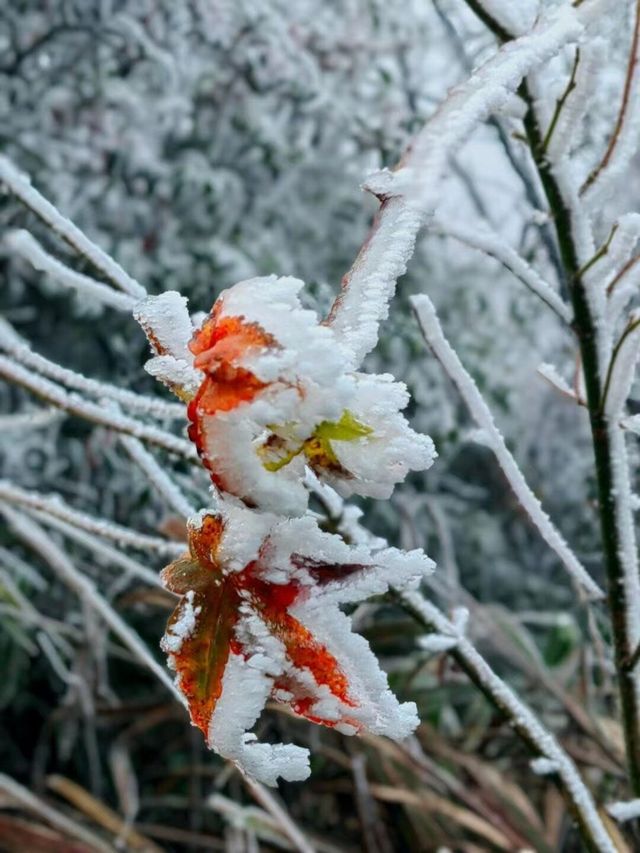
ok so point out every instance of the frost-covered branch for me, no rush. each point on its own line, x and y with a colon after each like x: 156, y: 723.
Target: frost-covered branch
x: 409, y: 195
x: 157, y: 476
x: 109, y: 555
x: 35, y: 538
x: 493, y: 245
x: 480, y: 412
x: 623, y: 139
x: 54, y: 506
x: 98, y: 414
x: 20, y: 186
x: 523, y: 720
x: 615, y: 502
x: 17, y: 347
x: 24, y: 244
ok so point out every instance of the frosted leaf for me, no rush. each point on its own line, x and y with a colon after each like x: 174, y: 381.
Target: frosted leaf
x: 166, y: 322
x: 271, y: 395
x: 260, y: 617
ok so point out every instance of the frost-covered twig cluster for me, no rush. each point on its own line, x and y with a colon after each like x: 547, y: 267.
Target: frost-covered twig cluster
x: 284, y: 421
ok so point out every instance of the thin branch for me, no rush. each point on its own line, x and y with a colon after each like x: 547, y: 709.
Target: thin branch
x: 480, y: 412
x: 629, y: 330
x: 411, y: 192
x: 523, y: 720
x: 25, y: 245
x: 615, y: 281
x: 624, y: 106
x: 35, y: 538
x: 16, y: 346
x: 111, y: 556
x: 55, y: 507
x: 571, y: 85
x: 493, y: 245
x: 20, y: 185
x: 269, y: 802
x: 157, y: 476
x: 611, y: 463
x: 98, y: 414
x: 29, y: 802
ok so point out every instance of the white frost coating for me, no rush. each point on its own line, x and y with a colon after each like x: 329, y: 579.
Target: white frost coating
x: 166, y: 321
x: 549, y: 373
x: 567, y: 129
x: 522, y: 717
x: 623, y: 811
x: 377, y: 709
x: 544, y: 766
x: 492, y: 244
x: 369, y: 285
x: 436, y: 643
x: 623, y: 368
x: 36, y: 538
x: 175, y: 373
x: 517, y: 17
x: 480, y: 412
x: 20, y: 185
x: 182, y: 628
x: 632, y: 423
x: 626, y: 536
x: 16, y: 346
x: 77, y: 405
x: 157, y: 476
x: 24, y: 244
x: 245, y: 689
x: 56, y: 507
x: 167, y: 324
x: 317, y: 573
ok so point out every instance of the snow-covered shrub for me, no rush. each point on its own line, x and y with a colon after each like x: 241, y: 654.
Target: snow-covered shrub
x: 212, y: 143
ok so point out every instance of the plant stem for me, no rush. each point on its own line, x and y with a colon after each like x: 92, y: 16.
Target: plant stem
x: 585, y: 327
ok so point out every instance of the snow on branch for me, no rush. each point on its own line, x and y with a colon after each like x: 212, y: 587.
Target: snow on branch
x: 16, y: 346
x: 157, y: 476
x: 523, y: 719
x: 622, y: 368
x: 54, y: 506
x: 24, y: 244
x: 99, y: 414
x: 493, y: 245
x: 409, y: 195
x: 624, y: 811
x: 111, y: 556
x: 623, y: 140
x: 480, y: 412
x: 20, y: 185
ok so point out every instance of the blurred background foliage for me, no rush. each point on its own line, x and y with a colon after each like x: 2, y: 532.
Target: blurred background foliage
x: 205, y: 141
